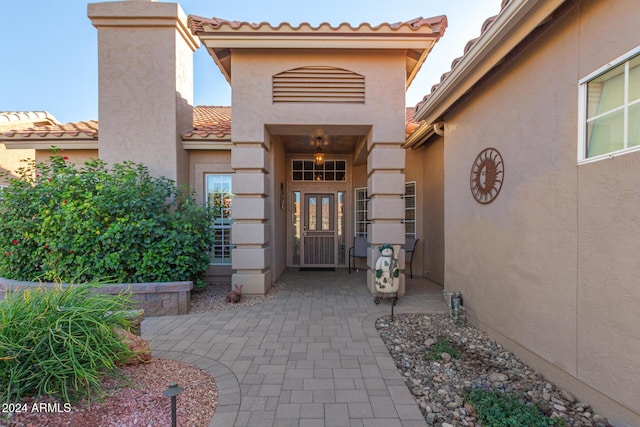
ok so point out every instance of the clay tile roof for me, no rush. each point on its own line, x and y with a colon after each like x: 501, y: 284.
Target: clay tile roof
x: 88, y: 129
x: 210, y: 121
x: 207, y: 121
x: 485, y: 26
x: 410, y: 123
x: 11, y: 120
x: 199, y: 24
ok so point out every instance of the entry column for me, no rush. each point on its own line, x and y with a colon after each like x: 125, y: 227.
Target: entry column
x: 251, y: 258
x: 385, y: 169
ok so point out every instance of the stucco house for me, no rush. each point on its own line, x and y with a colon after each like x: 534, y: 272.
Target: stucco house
x: 319, y: 120
x: 517, y: 172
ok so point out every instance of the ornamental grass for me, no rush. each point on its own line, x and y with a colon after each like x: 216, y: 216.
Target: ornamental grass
x: 60, y: 341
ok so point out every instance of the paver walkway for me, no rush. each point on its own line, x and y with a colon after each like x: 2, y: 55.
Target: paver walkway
x: 310, y: 357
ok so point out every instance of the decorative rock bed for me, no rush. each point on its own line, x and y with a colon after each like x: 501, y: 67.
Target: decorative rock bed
x: 438, y: 384
x: 156, y: 299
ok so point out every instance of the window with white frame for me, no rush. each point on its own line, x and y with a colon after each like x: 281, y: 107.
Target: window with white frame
x: 309, y: 170
x: 610, y: 108
x: 361, y: 207
x: 219, y: 195
x: 410, y: 209
x: 361, y: 221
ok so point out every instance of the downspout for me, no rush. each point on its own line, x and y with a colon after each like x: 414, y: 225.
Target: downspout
x: 438, y: 128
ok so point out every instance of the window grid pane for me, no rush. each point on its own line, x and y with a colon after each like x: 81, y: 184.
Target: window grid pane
x: 612, y: 110
x: 307, y: 170
x: 606, y: 92
x: 410, y: 209
x: 634, y: 79
x: 361, y: 221
x: 219, y: 195
x: 296, y: 223
x: 325, y: 214
x: 312, y: 214
x: 633, y: 132
x: 605, y: 134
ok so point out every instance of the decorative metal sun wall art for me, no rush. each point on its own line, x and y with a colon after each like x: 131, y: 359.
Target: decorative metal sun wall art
x: 487, y: 175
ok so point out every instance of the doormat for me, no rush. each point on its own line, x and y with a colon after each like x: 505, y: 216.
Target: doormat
x: 317, y: 269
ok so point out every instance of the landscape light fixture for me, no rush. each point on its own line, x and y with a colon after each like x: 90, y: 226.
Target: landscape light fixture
x: 173, y: 391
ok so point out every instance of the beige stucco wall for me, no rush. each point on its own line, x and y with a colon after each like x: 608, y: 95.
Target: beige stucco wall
x: 278, y: 212
x: 425, y: 166
x: 145, y: 84
x: 78, y: 157
x: 384, y: 103
x: 550, y: 267
x: 11, y: 161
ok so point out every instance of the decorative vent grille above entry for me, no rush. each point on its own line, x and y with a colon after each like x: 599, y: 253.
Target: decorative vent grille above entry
x: 318, y: 84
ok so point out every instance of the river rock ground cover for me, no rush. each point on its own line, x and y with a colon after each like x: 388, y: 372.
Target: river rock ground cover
x: 438, y: 379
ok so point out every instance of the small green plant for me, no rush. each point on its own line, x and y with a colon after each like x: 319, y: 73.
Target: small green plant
x: 60, y: 341
x: 443, y: 345
x: 499, y: 409
x: 60, y: 221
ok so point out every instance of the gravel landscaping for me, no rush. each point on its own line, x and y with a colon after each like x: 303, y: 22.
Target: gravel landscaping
x: 139, y: 403
x: 438, y: 385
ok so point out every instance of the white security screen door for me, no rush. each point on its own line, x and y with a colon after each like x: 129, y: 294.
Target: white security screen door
x: 319, y: 231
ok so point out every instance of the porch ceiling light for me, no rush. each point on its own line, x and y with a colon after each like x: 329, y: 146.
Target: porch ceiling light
x: 319, y: 157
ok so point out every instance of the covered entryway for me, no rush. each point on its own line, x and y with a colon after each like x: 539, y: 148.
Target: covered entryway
x: 298, y: 90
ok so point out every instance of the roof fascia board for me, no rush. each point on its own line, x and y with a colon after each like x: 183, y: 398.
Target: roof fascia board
x: 203, y: 144
x: 419, y: 62
x: 513, y: 24
x: 46, y: 144
x: 218, y: 62
x: 332, y: 42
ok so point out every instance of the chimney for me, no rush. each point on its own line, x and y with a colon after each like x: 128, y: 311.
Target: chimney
x: 145, y: 71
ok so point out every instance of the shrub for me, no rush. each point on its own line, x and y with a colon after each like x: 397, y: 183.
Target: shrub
x: 500, y: 409
x: 59, y: 342
x: 443, y: 345
x: 60, y: 222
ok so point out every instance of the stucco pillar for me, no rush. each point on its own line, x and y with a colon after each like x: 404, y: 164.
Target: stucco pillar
x: 251, y: 258
x: 145, y: 70
x: 386, y: 182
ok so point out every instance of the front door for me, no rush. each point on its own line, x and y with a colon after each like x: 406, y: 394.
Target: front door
x: 318, y: 246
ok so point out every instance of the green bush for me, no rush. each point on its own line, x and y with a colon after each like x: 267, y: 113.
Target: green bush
x: 499, y: 409
x: 59, y: 342
x: 443, y: 345
x: 60, y: 222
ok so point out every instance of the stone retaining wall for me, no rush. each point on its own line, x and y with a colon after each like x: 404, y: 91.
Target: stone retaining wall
x: 156, y: 299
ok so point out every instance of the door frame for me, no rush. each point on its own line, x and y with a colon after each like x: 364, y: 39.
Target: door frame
x: 333, y: 224
x: 323, y: 187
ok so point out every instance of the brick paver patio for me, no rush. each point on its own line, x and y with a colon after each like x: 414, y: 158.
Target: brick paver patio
x: 310, y: 357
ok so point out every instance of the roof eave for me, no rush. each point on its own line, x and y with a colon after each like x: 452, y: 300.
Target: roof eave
x: 209, y: 142
x: 515, y: 22
x: 422, y: 134
x: 417, y: 37
x: 39, y: 143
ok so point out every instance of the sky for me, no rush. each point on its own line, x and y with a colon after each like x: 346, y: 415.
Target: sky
x: 49, y: 48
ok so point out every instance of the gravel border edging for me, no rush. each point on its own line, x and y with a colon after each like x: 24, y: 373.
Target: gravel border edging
x: 228, y: 386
